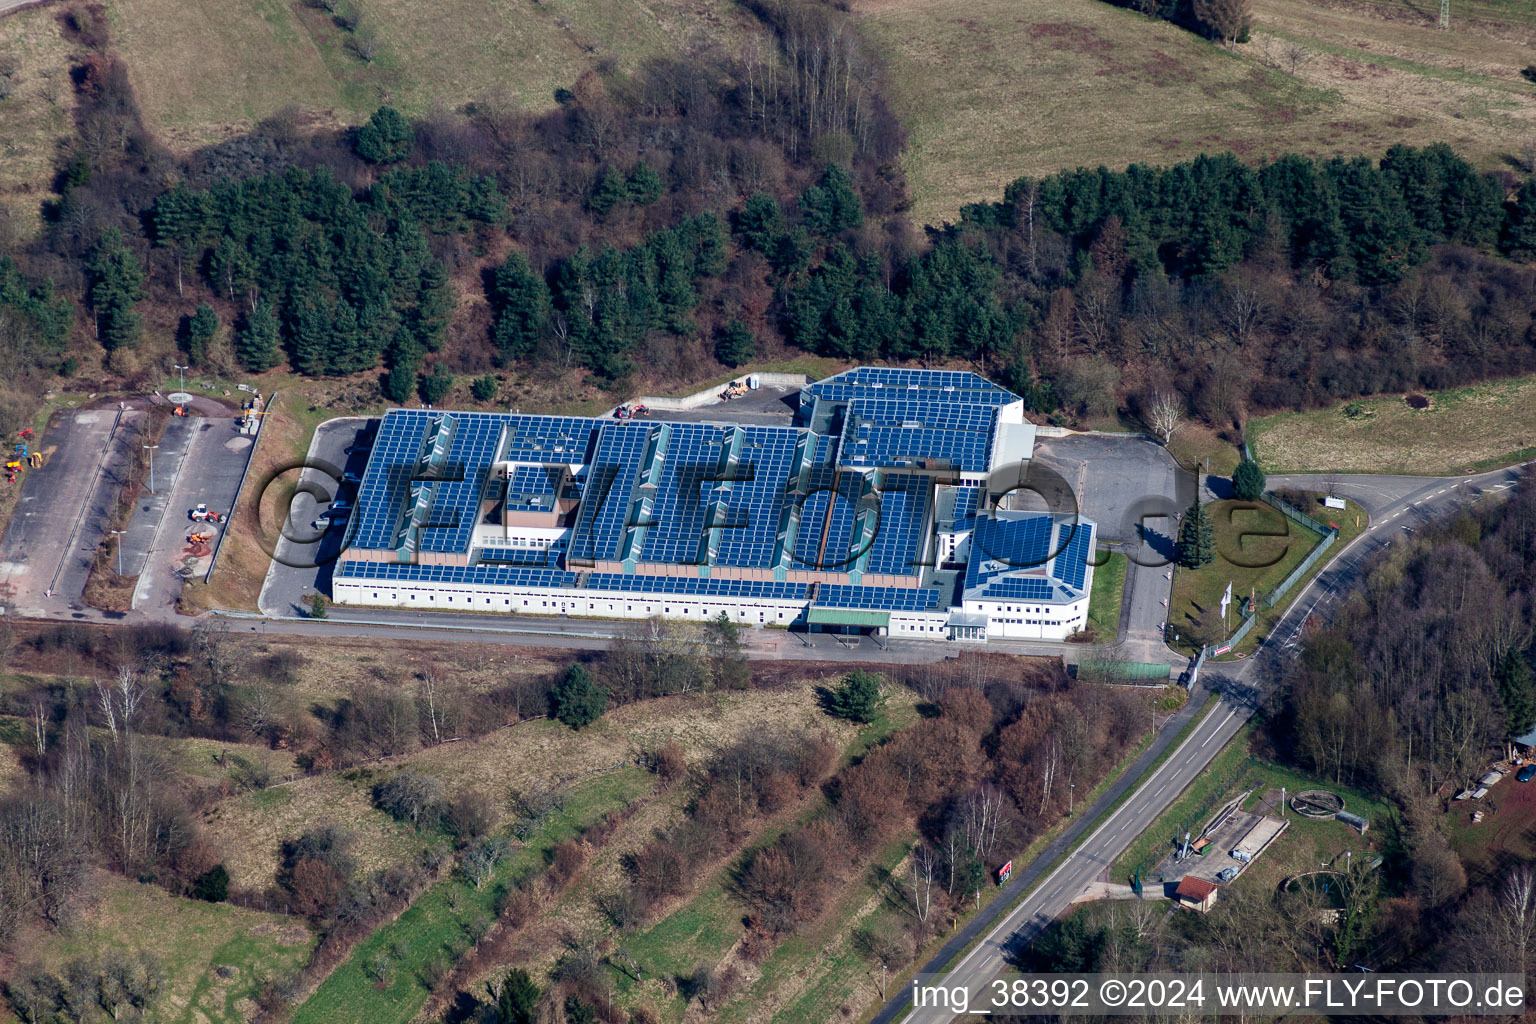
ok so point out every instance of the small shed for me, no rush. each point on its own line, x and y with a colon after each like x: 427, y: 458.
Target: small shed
x: 1196, y: 893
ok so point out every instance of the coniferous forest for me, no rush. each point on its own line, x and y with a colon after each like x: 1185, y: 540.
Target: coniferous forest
x: 697, y: 212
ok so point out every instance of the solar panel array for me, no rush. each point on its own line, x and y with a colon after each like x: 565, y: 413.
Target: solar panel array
x: 882, y: 380
x: 899, y: 537
x: 493, y: 554
x: 1034, y: 558
x: 1004, y: 545
x: 966, y: 501
x: 894, y: 599
x: 901, y: 446
x: 471, y: 575
x: 609, y: 488
x: 385, y: 487
x: 456, y: 497
x: 1021, y: 588
x: 688, y: 586
x: 1076, y: 542
x: 532, y: 488
x: 401, y: 471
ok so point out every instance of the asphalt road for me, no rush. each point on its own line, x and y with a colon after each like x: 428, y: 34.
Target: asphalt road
x: 1395, y: 503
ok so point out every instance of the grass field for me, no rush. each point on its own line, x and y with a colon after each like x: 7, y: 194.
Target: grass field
x: 1463, y: 429
x: 1272, y: 547
x: 443, y: 918
x: 1231, y: 772
x: 254, y: 59
x: 35, y: 116
x: 215, y: 955
x: 991, y: 90
x: 1351, y: 521
x: 1104, y: 600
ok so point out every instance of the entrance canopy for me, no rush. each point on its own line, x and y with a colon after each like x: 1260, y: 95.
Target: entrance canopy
x: 848, y: 617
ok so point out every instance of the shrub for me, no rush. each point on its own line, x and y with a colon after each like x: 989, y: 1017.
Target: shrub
x: 411, y: 796
x: 212, y: 885
x: 468, y: 815
x: 484, y: 388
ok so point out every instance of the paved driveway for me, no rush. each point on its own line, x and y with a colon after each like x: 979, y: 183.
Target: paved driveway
x: 1128, y: 486
x: 306, y: 556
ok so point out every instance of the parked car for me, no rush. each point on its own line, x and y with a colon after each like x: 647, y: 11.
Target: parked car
x: 1527, y: 773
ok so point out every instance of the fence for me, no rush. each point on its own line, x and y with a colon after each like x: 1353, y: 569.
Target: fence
x: 1295, y: 515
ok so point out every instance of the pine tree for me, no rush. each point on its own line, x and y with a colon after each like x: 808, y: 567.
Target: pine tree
x: 521, y: 299
x: 576, y: 700
x: 1248, y: 480
x: 1197, y: 537
x: 256, y: 340
x: 858, y: 697
x: 833, y: 204
x: 385, y: 138
x: 734, y: 344
x: 519, y: 1000
x: 611, y: 190
x: 116, y: 282
x: 1517, y: 692
x: 644, y: 186
x: 201, y: 327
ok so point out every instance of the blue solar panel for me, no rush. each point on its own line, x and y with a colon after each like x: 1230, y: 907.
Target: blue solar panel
x: 1020, y: 588
x: 885, y: 381
x: 1076, y: 542
x: 898, y: 544
x: 473, y: 575
x: 693, y: 586
x: 427, y: 472
x: 903, y: 599
x: 1003, y: 545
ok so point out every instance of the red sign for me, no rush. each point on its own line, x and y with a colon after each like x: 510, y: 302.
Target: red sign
x: 1004, y: 873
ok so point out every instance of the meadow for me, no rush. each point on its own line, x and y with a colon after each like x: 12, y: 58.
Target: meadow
x: 991, y: 90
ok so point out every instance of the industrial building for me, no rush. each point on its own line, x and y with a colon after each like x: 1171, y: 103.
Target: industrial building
x: 886, y: 509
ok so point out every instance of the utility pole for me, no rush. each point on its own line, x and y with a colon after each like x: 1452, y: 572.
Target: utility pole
x: 151, y: 449
x: 119, y: 535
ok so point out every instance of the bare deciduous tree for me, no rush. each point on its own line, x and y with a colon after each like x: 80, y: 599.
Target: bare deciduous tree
x: 924, y: 872
x: 1165, y: 411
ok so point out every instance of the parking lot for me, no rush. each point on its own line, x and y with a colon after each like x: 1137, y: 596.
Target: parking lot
x: 63, y: 507
x: 305, y: 555
x: 209, y: 474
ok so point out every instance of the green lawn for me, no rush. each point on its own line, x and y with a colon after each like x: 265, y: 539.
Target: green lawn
x: 1350, y: 521
x: 1256, y: 547
x: 1104, y: 600
x: 442, y: 920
